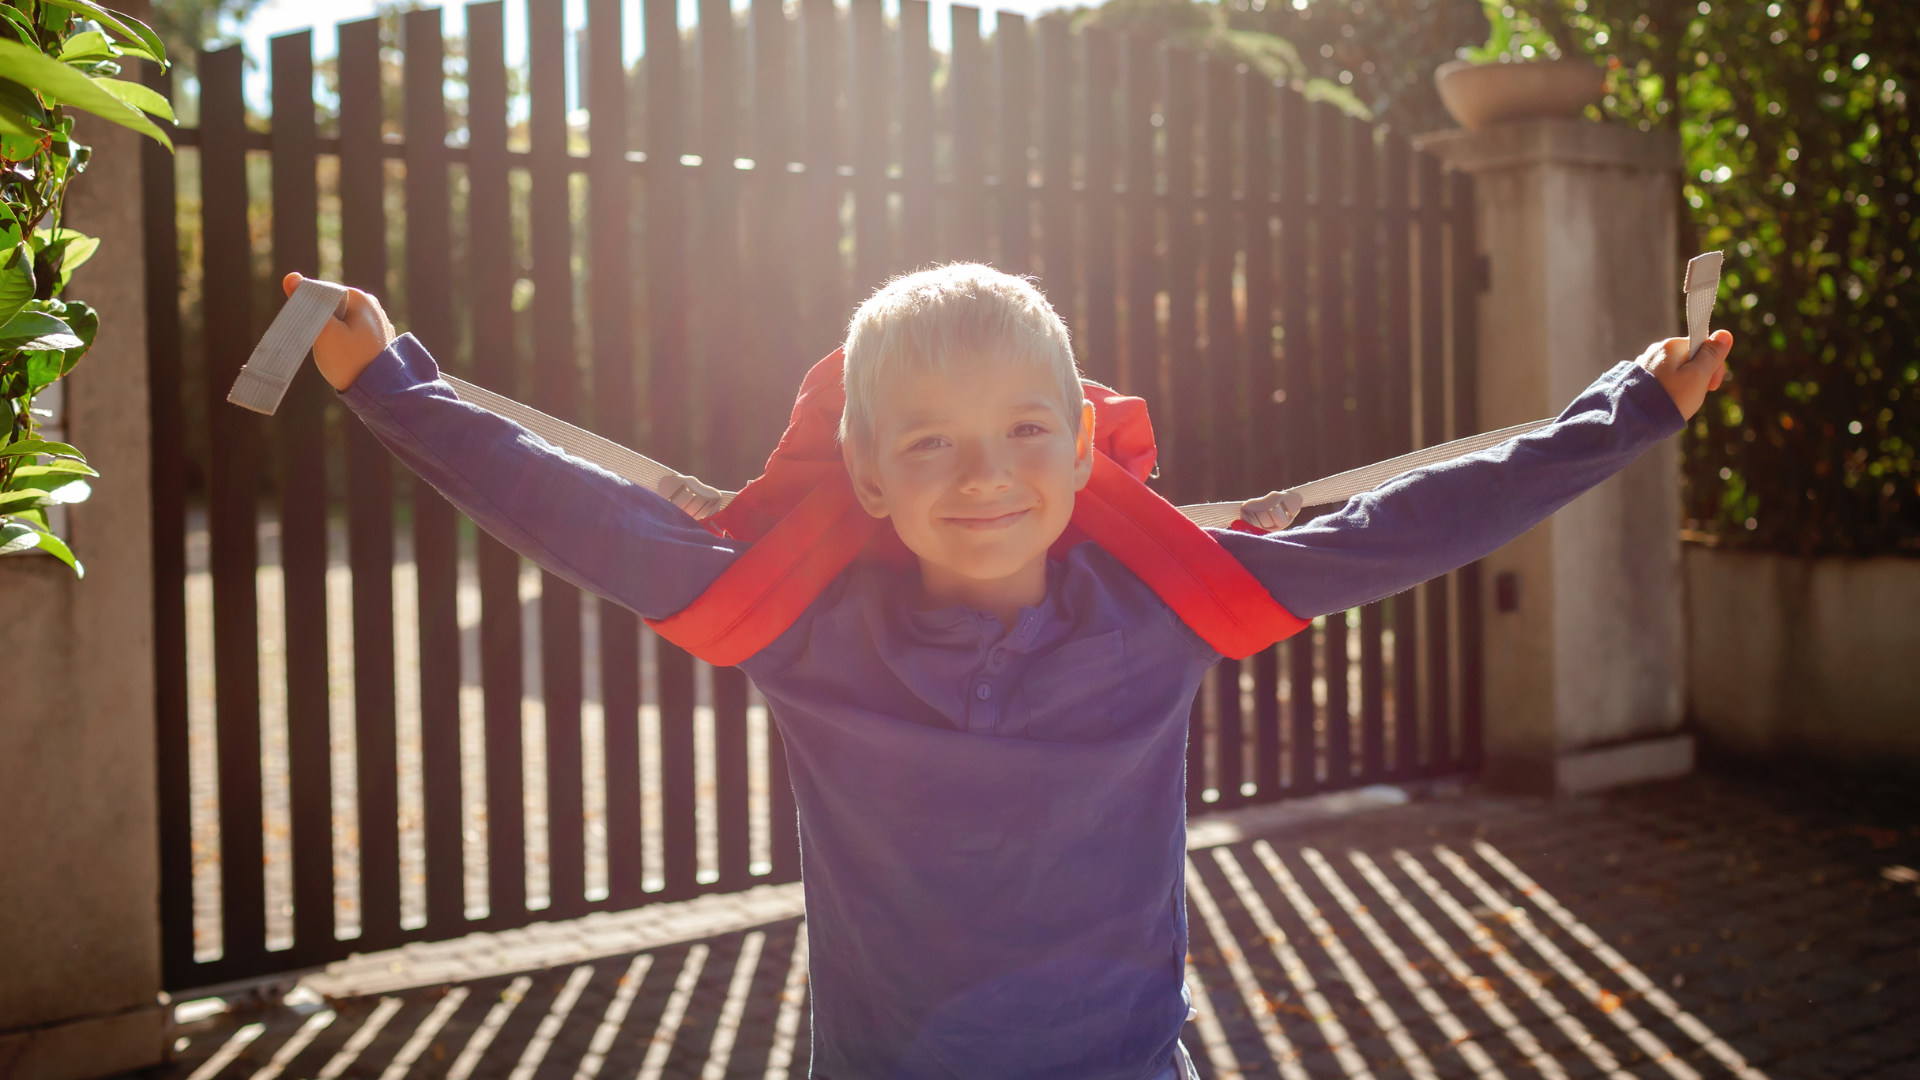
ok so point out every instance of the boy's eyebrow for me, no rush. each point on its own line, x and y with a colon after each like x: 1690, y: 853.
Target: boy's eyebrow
x: 923, y: 418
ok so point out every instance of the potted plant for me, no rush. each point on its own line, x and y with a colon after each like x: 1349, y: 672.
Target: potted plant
x: 55, y: 56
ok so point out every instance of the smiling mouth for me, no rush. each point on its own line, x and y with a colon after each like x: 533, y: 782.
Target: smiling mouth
x: 998, y: 521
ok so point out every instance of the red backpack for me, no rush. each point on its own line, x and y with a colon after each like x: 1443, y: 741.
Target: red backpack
x: 806, y: 526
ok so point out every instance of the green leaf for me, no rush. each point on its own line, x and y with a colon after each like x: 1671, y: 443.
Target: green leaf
x: 19, y: 22
x: 12, y: 501
x: 40, y: 446
x: 36, y: 330
x: 77, y: 253
x: 58, y: 82
x: 18, y: 536
x: 23, y: 101
x: 58, y: 467
x: 85, y: 323
x: 58, y: 548
x: 16, y: 282
x: 44, y: 366
x: 127, y: 25
x: 15, y: 126
x: 139, y: 96
x: 87, y: 45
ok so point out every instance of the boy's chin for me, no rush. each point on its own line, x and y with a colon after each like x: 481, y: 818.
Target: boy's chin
x: 985, y: 563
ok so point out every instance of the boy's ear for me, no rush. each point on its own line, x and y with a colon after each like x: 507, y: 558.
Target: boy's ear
x: 866, y: 479
x: 1083, y: 448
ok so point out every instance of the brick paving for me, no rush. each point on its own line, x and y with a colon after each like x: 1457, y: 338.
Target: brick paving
x: 1712, y: 927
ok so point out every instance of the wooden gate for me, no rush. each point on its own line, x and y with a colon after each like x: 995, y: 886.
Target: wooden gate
x: 354, y: 753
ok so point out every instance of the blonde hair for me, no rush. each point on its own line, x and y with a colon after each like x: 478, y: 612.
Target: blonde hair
x: 964, y: 312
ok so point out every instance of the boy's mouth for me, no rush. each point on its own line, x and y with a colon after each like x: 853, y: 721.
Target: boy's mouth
x: 988, y: 522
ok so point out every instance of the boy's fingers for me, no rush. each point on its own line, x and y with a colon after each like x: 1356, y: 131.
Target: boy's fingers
x: 290, y: 282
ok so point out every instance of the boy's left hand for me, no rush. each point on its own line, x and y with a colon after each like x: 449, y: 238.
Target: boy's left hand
x: 1689, y: 381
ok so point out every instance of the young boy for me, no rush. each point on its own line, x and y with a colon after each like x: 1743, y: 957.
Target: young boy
x: 988, y: 754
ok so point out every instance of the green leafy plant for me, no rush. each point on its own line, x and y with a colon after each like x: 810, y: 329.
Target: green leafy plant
x: 55, y: 56
x: 1803, y: 164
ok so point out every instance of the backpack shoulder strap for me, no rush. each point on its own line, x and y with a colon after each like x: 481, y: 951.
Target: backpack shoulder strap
x: 1200, y: 580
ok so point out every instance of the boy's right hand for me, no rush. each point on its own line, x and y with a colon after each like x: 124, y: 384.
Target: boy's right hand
x: 349, y: 342
x: 1273, y: 511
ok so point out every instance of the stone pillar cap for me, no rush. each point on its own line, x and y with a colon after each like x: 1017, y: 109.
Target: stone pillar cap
x: 1554, y: 141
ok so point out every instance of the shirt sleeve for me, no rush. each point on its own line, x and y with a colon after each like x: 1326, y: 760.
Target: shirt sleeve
x: 1435, y: 519
x: 597, y: 530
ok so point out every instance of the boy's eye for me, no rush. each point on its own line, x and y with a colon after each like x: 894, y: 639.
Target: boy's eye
x: 1029, y: 428
x: 931, y: 442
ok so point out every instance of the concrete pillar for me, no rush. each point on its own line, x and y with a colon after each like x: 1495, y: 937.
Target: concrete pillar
x: 79, y: 858
x: 1585, y: 675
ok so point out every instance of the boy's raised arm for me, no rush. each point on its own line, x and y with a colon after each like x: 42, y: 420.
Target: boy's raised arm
x: 597, y: 530
x: 1427, y: 522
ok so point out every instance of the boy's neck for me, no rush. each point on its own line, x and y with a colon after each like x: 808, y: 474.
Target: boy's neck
x: 1001, y: 597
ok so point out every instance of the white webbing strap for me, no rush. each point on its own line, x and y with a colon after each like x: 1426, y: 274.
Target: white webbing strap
x: 264, y: 380
x: 579, y: 442
x: 1340, y: 487
x: 275, y: 361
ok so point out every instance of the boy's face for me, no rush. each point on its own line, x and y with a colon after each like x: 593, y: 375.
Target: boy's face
x: 977, y: 466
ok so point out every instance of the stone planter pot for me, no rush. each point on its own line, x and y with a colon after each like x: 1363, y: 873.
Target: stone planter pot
x: 1481, y: 94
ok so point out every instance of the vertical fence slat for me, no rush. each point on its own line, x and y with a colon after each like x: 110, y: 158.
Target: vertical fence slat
x: 1013, y: 52
x: 490, y: 307
x: 667, y: 406
x: 610, y: 295
x: 1141, y: 90
x: 1397, y: 384
x: 917, y: 213
x: 716, y: 266
x: 771, y: 240
x: 826, y: 273
x: 1433, y: 419
x: 557, y: 391
x: 1370, y: 423
x: 1226, y: 434
x: 167, y: 479
x: 303, y: 512
x: 1264, y: 459
x: 1056, y: 171
x: 435, y: 550
x: 1466, y: 390
x: 967, y: 94
x: 1332, y: 129
x: 363, y: 260
x: 1187, y: 468
x: 230, y: 504
x: 771, y: 202
x: 1099, y: 79
x: 1298, y: 411
x: 1187, y: 385
x: 872, y: 254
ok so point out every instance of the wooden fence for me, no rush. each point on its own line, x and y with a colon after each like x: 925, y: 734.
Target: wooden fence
x: 1283, y: 283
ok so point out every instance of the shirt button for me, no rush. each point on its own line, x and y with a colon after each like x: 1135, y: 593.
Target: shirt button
x: 999, y: 656
x: 983, y: 691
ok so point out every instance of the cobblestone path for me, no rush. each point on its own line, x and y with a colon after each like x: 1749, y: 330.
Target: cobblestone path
x: 1712, y: 927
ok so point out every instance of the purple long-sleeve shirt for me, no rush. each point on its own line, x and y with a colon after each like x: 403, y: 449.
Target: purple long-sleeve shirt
x: 992, y: 818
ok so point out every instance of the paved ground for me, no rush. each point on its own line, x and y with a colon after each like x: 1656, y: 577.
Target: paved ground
x: 1711, y: 927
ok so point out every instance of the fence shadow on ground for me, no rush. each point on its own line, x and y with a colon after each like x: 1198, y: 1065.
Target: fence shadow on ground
x: 1409, y: 954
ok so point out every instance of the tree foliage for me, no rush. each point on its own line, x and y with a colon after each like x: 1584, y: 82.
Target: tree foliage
x: 1800, y: 163
x: 1372, y: 58
x: 55, y: 56
x: 186, y: 26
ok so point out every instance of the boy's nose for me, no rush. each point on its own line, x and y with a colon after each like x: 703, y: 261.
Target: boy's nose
x: 982, y: 467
